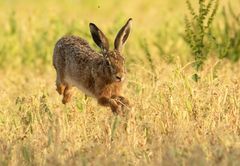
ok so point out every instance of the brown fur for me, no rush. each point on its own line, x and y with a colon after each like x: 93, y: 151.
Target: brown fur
x: 99, y: 75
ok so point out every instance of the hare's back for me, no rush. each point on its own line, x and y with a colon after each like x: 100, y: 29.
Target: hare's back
x: 75, y: 47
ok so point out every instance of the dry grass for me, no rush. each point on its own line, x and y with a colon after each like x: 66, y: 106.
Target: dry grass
x: 174, y: 121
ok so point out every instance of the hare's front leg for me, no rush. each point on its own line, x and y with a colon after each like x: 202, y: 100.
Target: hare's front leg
x: 121, y: 100
x: 109, y: 102
x: 123, y: 103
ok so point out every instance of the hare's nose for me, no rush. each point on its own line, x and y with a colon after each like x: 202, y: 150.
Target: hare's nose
x: 119, y: 78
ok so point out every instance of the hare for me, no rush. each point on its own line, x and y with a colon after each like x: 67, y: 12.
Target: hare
x: 99, y: 75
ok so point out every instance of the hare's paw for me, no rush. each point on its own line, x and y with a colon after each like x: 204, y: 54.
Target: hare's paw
x: 109, y: 102
x: 122, y: 100
x: 115, y: 107
x: 117, y: 110
x: 123, y: 104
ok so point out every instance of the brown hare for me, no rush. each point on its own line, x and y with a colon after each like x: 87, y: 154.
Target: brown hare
x: 99, y: 75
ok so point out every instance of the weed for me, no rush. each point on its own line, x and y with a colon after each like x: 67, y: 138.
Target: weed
x: 228, y: 39
x: 197, y: 30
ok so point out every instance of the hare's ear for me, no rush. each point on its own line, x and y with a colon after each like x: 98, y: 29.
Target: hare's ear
x: 122, y: 35
x: 99, y: 38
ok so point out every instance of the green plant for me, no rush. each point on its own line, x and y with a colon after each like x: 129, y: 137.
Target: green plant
x: 198, y: 30
x: 13, y: 23
x: 165, y: 53
x: 144, y: 45
x: 228, y: 39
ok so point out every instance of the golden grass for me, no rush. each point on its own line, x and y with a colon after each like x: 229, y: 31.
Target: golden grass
x: 174, y: 121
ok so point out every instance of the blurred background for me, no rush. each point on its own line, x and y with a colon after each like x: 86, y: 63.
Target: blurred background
x: 29, y: 29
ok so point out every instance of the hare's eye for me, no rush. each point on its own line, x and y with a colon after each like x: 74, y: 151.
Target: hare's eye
x: 108, y: 63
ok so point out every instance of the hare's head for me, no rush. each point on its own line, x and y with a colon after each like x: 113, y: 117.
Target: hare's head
x: 113, y: 59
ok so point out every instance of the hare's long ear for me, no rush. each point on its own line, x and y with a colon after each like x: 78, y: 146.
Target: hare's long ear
x: 122, y: 35
x: 99, y: 38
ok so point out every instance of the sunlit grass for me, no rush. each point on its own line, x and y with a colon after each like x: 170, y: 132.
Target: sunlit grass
x: 174, y: 121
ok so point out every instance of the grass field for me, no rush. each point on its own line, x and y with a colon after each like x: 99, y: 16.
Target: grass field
x: 173, y: 121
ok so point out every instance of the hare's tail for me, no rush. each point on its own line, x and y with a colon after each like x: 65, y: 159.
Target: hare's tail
x: 58, y: 57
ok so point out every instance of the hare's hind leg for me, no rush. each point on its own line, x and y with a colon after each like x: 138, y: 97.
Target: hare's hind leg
x: 60, y: 88
x: 63, y: 88
x: 67, y: 94
x: 60, y: 84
